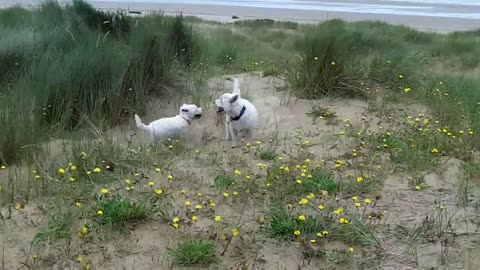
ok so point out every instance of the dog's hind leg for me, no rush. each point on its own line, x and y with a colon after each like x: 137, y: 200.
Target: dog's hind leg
x: 235, y: 138
x: 248, y: 133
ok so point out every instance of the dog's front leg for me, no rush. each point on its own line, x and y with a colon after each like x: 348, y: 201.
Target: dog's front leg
x: 228, y: 131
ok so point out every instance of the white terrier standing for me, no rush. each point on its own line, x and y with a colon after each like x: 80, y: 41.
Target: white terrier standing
x: 171, y: 127
x: 241, y: 115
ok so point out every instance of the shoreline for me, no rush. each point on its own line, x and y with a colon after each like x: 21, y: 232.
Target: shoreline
x: 224, y: 13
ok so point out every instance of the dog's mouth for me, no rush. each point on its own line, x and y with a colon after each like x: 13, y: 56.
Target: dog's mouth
x: 220, y: 109
x: 196, y: 116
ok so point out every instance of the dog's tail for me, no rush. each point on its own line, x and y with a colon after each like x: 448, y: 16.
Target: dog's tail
x: 236, y: 86
x: 140, y: 125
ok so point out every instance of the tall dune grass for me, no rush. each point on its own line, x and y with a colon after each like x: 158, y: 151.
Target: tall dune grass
x: 72, y: 63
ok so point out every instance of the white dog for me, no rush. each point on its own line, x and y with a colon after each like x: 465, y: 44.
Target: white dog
x: 241, y: 115
x: 168, y: 128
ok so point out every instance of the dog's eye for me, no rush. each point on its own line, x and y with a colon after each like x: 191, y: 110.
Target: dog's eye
x: 184, y: 110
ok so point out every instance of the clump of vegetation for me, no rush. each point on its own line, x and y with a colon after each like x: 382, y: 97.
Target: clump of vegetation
x: 194, y: 252
x: 118, y: 211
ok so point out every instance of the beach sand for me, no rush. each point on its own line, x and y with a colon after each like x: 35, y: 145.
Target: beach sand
x: 224, y: 13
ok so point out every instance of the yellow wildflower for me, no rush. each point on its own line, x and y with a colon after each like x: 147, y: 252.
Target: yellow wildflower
x: 303, y: 201
x: 359, y: 179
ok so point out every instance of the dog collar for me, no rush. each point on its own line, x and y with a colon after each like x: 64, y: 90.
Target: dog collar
x: 188, y: 121
x: 236, y: 118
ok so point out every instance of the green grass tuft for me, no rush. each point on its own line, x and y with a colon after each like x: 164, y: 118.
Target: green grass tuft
x: 194, y: 252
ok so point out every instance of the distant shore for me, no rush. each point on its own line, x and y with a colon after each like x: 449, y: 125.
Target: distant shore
x: 224, y: 13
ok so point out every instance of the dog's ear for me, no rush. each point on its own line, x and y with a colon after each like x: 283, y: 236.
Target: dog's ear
x: 236, y: 87
x: 233, y: 99
x: 183, y: 108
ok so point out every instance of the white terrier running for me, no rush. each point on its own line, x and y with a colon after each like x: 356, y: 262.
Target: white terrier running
x: 241, y: 115
x: 170, y: 127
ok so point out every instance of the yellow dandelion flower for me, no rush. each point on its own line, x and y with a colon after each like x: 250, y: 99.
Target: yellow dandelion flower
x: 354, y: 198
x: 158, y: 191
x: 104, y: 191
x: 297, y: 233
x: 417, y: 187
x: 333, y: 63
x: 170, y: 177
x: 302, y: 218
x: 3, y: 167
x: 321, y: 207
x: 97, y: 170
x: 311, y: 196
x: 325, y: 233
x: 188, y: 203
x: 344, y: 221
x: 194, y: 218
x: 351, y: 250
x: 442, y: 207
x: 79, y: 259
x: 212, y: 204
x: 198, y: 207
x: 235, y: 193
x: 100, y: 212
x: 158, y: 170
x: 434, y: 151
x: 61, y: 171
x: 407, y: 89
x: 217, y: 218
x: 237, y: 172
x: 299, y: 181
x: 303, y: 201
x: 151, y: 183
x: 183, y: 191
x: 78, y: 204
x: 368, y: 201
x: 176, y: 220
x: 235, y: 232
x: 338, y: 211
x: 359, y: 179
x: 400, y: 76
x: 175, y: 225
x: 225, y: 194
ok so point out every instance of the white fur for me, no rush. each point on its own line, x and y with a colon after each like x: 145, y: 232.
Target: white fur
x: 232, y: 104
x: 171, y: 127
